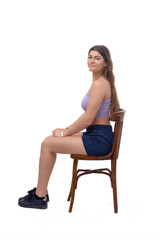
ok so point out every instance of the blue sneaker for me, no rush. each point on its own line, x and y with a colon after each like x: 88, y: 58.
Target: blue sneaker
x: 34, y: 190
x: 30, y: 201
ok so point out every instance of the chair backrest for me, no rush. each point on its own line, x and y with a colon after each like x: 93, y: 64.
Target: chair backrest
x: 117, y: 117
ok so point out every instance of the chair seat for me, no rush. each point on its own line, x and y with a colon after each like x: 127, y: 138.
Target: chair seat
x: 86, y: 157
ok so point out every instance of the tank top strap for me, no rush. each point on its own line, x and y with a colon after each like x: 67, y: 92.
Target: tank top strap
x: 107, y: 85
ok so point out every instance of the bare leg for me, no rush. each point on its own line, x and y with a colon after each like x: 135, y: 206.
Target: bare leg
x: 50, y: 146
x: 46, y: 164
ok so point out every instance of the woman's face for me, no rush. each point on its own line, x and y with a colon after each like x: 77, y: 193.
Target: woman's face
x: 96, y: 62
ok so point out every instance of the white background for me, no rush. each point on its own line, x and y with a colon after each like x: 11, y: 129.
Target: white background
x: 43, y: 77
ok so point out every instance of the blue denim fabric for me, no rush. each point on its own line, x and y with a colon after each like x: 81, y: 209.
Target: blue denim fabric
x: 98, y: 140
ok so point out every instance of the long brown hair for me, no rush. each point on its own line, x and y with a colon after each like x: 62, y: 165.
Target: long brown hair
x: 108, y: 73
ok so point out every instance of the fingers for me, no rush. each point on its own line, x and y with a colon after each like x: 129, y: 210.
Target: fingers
x: 57, y: 132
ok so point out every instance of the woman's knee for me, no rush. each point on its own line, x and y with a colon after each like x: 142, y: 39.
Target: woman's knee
x: 46, y: 143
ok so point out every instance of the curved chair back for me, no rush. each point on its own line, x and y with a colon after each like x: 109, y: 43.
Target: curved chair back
x: 117, y: 117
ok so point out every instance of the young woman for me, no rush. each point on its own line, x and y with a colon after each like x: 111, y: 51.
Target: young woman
x: 100, y: 101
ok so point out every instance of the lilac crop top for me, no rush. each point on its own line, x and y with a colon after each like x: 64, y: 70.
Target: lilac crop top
x: 103, y: 110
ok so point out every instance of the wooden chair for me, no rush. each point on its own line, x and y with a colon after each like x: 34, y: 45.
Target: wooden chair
x: 116, y: 117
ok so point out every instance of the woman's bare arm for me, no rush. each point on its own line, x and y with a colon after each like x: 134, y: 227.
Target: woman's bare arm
x: 97, y: 94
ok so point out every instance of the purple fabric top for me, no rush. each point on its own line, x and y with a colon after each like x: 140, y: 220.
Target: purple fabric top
x: 103, y: 110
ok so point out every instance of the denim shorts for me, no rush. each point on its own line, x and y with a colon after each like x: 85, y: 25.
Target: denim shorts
x: 98, y: 140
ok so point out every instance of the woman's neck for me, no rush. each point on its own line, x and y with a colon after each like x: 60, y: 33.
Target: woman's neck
x: 96, y: 76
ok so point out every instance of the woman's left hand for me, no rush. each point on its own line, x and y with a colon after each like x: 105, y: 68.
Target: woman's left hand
x: 57, y: 132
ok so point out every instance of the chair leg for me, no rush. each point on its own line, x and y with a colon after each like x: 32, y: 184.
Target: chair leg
x: 69, y: 196
x: 111, y: 175
x: 114, y: 185
x: 73, y: 185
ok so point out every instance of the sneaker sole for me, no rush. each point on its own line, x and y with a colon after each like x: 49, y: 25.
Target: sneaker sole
x: 33, y: 206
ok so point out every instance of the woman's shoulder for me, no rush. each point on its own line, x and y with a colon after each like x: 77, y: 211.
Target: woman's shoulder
x: 102, y: 86
x: 101, y: 82
x: 99, y: 87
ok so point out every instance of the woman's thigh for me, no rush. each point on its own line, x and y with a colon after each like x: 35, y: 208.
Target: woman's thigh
x: 67, y: 145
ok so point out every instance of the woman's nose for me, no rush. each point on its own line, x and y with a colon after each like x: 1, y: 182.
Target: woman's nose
x: 92, y: 60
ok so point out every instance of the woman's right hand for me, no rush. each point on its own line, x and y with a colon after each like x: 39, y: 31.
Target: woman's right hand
x: 57, y: 132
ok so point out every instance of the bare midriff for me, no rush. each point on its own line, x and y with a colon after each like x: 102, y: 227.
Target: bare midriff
x: 101, y: 121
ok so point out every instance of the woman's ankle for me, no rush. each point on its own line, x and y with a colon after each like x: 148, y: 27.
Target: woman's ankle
x: 40, y: 193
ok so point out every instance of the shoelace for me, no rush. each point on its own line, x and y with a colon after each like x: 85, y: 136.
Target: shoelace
x: 29, y: 196
x: 32, y: 191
